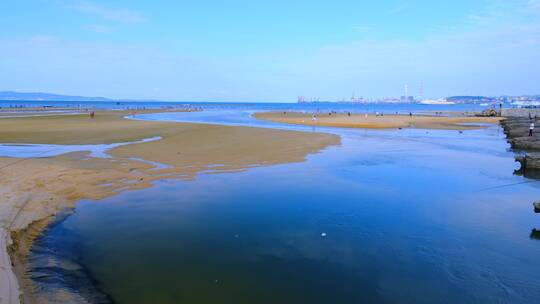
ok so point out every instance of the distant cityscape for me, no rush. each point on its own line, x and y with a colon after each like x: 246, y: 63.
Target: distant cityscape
x: 519, y: 101
x: 516, y: 101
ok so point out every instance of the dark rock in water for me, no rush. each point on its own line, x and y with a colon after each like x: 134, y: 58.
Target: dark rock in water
x: 529, y: 162
x: 517, y: 131
x: 489, y: 113
x: 535, y: 234
x: 525, y: 143
x: 536, y: 207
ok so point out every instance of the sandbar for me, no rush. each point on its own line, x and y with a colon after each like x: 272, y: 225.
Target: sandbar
x: 372, y: 121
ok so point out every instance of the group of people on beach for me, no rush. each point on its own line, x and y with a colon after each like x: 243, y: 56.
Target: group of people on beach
x: 314, y: 115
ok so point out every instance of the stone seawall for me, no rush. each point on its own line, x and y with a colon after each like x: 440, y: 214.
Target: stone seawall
x: 521, y: 112
x: 516, y: 129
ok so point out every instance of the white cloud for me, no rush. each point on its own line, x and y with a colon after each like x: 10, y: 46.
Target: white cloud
x: 42, y: 39
x: 363, y: 28
x: 534, y: 4
x: 513, y: 12
x: 398, y: 9
x: 479, y: 19
x: 496, y: 56
x: 99, y: 28
x: 121, y: 15
x: 51, y: 64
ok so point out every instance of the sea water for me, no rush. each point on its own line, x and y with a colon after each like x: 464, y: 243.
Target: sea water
x: 13, y: 106
x: 396, y: 216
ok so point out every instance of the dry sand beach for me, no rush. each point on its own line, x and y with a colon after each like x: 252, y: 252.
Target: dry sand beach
x: 34, y: 189
x: 453, y: 121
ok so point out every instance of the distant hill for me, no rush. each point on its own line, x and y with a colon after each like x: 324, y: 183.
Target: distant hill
x: 470, y: 99
x: 458, y: 98
x: 10, y: 95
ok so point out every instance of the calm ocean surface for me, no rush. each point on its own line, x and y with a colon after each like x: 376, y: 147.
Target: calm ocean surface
x: 323, y: 106
x: 398, y: 216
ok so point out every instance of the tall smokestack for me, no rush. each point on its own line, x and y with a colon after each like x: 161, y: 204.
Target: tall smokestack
x: 406, y: 91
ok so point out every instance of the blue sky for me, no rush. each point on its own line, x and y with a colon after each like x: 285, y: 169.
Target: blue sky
x: 269, y: 51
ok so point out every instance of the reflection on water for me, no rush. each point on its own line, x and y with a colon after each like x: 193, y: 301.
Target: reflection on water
x: 56, y: 266
x: 390, y: 216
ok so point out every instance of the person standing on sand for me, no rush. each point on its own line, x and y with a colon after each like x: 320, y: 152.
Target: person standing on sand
x: 531, y: 128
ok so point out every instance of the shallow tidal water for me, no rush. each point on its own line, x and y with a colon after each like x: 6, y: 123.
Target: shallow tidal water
x: 402, y: 216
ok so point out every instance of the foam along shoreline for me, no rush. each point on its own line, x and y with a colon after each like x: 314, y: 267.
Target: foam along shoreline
x: 33, y: 189
x: 371, y: 121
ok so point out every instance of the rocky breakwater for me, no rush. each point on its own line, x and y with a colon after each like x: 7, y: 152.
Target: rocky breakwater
x: 516, y: 129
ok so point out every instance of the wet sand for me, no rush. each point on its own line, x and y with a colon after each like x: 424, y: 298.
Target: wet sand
x: 35, y: 189
x: 452, y: 121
